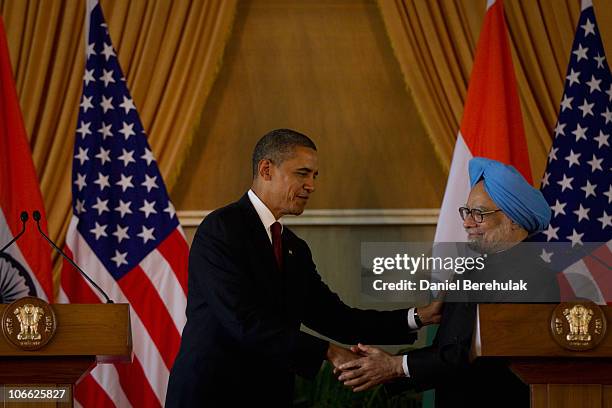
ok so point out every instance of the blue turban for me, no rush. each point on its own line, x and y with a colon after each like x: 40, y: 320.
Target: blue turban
x: 512, y: 193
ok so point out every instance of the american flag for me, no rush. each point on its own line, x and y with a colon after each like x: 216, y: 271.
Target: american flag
x: 577, y: 182
x: 124, y: 232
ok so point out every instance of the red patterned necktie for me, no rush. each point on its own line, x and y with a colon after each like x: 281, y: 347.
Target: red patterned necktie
x: 277, y: 243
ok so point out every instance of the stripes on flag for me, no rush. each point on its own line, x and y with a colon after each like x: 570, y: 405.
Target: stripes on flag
x: 492, y: 123
x: 577, y: 182
x: 124, y: 232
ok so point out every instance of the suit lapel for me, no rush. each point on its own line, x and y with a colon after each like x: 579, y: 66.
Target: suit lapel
x: 294, y: 274
x: 258, y: 236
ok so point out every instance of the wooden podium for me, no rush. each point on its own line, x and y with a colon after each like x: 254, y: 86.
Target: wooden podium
x: 557, y: 377
x: 86, y: 334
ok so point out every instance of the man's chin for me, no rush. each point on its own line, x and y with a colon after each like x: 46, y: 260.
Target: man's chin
x: 476, y: 246
x: 295, y: 211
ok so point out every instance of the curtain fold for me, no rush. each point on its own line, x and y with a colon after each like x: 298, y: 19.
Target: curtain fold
x: 435, y: 75
x: 434, y: 43
x: 170, y: 52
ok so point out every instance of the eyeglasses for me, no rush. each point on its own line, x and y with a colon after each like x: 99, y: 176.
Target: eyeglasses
x: 477, y: 215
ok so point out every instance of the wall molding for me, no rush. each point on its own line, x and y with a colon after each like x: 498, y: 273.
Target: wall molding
x: 400, y: 216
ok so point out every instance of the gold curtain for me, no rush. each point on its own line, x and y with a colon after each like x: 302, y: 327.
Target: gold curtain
x: 170, y: 52
x: 435, y: 41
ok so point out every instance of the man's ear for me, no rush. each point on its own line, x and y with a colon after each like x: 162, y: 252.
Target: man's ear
x: 264, y: 169
x: 516, y: 226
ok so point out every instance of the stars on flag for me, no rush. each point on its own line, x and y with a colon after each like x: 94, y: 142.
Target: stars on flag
x: 121, y: 233
x: 580, y: 132
x: 84, y: 129
x: 105, y: 130
x: 106, y: 104
x: 125, y: 182
x: 99, y: 231
x: 127, y: 104
x: 118, y: 193
x: 82, y: 155
x: 573, y: 78
x: 560, y: 129
x: 577, y: 182
x: 581, y: 52
x: 126, y: 157
x: 586, y: 108
x: 589, y: 189
x: 594, y: 84
x: 148, y: 208
x: 101, y: 205
x: 558, y: 208
x: 588, y: 28
x: 127, y: 130
x: 107, y: 77
x: 103, y: 155
x: 124, y: 208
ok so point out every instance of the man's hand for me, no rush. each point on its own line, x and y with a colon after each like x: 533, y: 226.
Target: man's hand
x: 339, y: 355
x: 432, y: 313
x: 375, y: 367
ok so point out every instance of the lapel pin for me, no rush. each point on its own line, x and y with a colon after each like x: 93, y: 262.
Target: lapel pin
x: 290, y: 252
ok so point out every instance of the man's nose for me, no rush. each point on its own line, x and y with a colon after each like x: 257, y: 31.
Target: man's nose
x: 309, y: 185
x: 469, y: 222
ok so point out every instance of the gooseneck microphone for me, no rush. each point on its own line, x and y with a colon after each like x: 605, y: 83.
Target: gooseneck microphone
x: 24, y: 218
x: 36, y: 216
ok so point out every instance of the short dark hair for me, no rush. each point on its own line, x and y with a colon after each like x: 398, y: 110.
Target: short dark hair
x: 277, y: 146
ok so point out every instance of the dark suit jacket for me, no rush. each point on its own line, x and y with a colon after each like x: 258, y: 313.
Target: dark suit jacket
x: 242, y: 342
x: 445, y: 364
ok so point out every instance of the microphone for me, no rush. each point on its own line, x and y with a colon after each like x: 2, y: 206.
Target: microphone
x: 36, y: 216
x: 24, y: 219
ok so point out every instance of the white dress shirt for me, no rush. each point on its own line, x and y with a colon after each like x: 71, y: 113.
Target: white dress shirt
x: 265, y: 215
x: 414, y: 326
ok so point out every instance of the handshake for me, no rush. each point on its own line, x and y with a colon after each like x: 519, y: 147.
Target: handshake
x: 362, y: 367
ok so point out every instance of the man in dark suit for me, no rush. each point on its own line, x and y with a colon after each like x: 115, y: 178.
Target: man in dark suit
x: 252, y: 283
x: 502, y: 210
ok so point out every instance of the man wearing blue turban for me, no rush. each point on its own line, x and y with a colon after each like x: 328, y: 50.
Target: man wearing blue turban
x: 502, y: 210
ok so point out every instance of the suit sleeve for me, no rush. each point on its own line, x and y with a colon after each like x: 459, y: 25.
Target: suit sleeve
x: 328, y: 315
x: 447, y: 357
x: 216, y: 273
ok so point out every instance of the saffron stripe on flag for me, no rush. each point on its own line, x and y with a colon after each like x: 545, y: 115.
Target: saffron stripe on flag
x: 19, y: 191
x: 492, y: 123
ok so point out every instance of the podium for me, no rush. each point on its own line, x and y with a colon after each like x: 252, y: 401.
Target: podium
x: 86, y: 334
x: 557, y: 377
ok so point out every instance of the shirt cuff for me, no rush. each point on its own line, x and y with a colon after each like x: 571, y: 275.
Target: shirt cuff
x: 405, y: 366
x: 411, y: 321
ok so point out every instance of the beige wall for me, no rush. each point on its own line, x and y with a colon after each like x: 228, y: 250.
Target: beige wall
x: 325, y: 68
x: 336, y: 250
